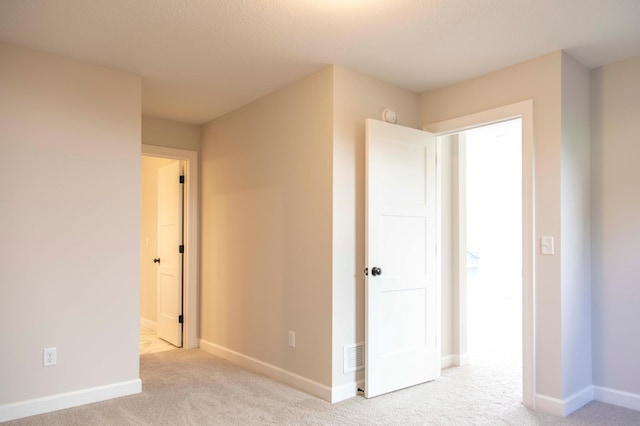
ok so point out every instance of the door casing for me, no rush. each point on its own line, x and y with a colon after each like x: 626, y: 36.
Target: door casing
x: 190, y: 238
x: 523, y: 110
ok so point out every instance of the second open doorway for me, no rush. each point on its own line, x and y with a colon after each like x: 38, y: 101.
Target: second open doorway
x: 494, y: 249
x: 481, y: 272
x: 157, y: 157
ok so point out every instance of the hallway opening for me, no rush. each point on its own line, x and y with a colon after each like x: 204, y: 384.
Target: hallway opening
x: 151, y: 297
x: 494, y: 251
x: 158, y: 156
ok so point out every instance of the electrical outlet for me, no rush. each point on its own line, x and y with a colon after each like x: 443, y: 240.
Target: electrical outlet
x: 49, y: 357
x: 292, y: 339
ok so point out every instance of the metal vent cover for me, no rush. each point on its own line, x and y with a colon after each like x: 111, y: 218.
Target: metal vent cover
x: 353, y: 357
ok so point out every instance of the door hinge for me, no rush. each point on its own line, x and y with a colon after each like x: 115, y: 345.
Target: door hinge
x: 182, y: 179
x: 181, y: 249
x: 180, y: 318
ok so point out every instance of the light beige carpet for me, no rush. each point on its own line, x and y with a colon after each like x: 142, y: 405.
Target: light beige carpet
x: 191, y: 387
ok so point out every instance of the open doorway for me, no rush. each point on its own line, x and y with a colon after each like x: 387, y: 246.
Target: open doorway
x: 153, y: 159
x: 493, y: 251
x: 161, y: 266
x: 452, y: 240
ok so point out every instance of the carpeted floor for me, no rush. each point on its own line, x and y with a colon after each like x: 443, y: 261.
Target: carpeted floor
x: 191, y: 387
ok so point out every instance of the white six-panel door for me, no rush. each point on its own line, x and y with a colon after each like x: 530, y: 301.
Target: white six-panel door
x: 401, y: 306
x: 170, y: 266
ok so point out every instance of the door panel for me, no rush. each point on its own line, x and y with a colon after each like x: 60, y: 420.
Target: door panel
x: 170, y: 266
x: 401, y: 305
x: 408, y: 328
x: 403, y: 245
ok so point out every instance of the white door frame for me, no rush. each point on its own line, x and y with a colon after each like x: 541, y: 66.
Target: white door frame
x: 523, y: 110
x: 190, y: 236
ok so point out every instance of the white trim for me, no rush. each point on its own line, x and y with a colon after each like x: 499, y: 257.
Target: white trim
x: 446, y: 361
x: 294, y: 380
x: 148, y: 324
x: 549, y: 405
x: 349, y: 390
x: 616, y: 397
x: 562, y: 408
x: 438, y: 271
x: 454, y: 360
x: 61, y: 401
x: 190, y: 300
x: 578, y: 400
x: 480, y: 119
x: 523, y: 110
x: 459, y: 260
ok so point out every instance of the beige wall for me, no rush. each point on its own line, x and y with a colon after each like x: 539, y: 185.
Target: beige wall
x: 283, y: 218
x: 254, y: 160
x: 615, y: 113
x: 170, y: 134
x: 149, y: 237
x: 266, y: 228
x: 538, y: 79
x: 356, y: 98
x: 576, y: 228
x: 70, y: 188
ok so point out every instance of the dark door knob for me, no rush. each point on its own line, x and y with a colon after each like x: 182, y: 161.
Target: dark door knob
x: 156, y: 260
x: 376, y: 271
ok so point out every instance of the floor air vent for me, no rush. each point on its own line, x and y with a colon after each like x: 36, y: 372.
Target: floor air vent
x: 353, y: 357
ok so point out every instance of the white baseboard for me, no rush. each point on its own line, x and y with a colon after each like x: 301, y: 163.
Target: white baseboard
x: 148, y: 323
x: 454, y: 360
x: 294, y: 380
x: 340, y: 393
x: 549, y: 405
x: 446, y: 361
x: 616, y: 397
x: 578, y: 400
x: 61, y: 401
x: 562, y: 408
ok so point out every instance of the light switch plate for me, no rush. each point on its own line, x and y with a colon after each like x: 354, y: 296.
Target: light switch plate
x: 546, y: 245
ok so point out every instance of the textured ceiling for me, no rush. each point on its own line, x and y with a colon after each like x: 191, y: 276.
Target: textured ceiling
x: 202, y: 58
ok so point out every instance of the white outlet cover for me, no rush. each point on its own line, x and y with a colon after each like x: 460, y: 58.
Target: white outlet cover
x: 49, y: 357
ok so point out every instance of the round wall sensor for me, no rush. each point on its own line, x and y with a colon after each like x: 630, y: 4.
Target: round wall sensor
x: 389, y: 116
